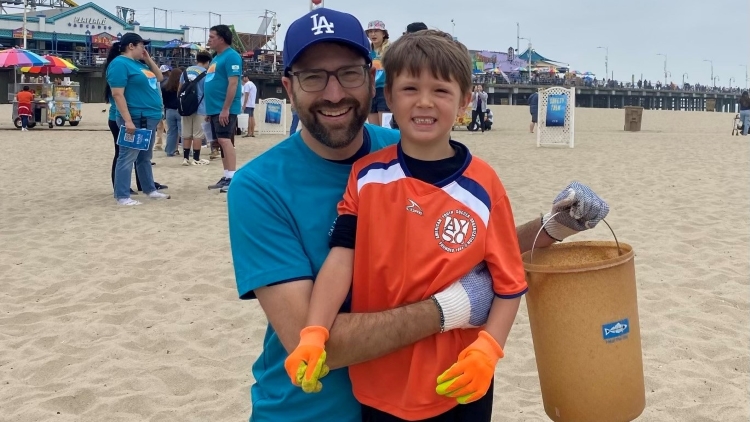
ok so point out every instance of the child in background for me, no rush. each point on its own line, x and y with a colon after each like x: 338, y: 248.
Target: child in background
x: 415, y: 217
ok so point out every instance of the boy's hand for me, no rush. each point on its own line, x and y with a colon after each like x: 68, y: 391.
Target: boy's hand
x: 469, y: 378
x: 579, y: 208
x: 306, y: 364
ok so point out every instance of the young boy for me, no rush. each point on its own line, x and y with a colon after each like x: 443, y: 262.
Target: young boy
x: 415, y: 217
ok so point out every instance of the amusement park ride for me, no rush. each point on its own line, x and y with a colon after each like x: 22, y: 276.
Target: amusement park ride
x: 33, y: 4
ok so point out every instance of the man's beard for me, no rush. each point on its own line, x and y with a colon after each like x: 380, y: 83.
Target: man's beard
x: 338, y: 137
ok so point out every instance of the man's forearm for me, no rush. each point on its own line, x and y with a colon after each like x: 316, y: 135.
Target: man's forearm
x: 527, y: 232
x: 358, y: 338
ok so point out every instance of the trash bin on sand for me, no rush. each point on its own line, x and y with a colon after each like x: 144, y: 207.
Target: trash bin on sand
x: 583, y: 314
x: 633, y: 118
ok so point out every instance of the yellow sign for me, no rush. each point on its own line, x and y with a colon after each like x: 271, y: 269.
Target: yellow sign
x: 18, y: 33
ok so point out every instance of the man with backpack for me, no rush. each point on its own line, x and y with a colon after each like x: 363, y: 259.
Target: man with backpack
x: 192, y: 108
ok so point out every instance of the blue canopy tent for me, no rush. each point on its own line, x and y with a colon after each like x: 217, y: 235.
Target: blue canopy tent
x: 173, y: 44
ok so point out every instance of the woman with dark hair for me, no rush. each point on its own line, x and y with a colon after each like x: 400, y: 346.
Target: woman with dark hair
x: 745, y: 112
x: 172, y: 116
x: 134, y: 87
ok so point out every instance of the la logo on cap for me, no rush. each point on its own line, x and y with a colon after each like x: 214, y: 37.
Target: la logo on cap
x: 320, y: 24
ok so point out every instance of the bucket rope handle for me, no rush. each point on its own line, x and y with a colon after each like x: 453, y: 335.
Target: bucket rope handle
x: 531, y: 258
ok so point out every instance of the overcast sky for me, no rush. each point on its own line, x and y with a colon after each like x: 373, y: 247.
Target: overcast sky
x: 687, y: 31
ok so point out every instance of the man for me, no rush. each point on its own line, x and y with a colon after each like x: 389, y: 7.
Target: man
x: 534, y: 110
x: 249, y: 92
x: 192, y: 129
x: 25, y: 99
x: 478, y: 106
x: 222, y: 97
x: 281, y: 209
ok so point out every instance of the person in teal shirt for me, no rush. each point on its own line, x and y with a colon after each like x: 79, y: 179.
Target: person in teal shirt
x: 134, y: 87
x: 282, y: 205
x: 222, y: 97
x: 143, y: 92
x: 379, y: 43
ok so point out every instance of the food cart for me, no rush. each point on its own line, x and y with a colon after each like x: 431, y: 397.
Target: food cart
x: 43, y: 93
x: 58, y: 98
x: 463, y: 119
x: 66, y: 105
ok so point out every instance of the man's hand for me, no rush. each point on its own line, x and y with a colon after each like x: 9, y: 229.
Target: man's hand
x: 306, y: 364
x: 224, y: 117
x: 578, y: 208
x: 466, y: 303
x: 470, y: 377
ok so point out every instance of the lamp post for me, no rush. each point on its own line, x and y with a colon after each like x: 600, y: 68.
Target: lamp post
x: 25, y: 2
x: 714, y: 79
x: 731, y: 79
x: 683, y: 79
x: 745, y: 74
x: 528, y: 59
x: 606, y: 61
x: 712, y: 69
x: 665, y: 66
x: 453, y: 30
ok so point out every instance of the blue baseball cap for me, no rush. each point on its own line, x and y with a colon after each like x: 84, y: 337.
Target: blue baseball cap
x: 324, y: 25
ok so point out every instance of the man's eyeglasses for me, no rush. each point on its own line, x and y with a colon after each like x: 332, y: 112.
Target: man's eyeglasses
x: 315, y: 80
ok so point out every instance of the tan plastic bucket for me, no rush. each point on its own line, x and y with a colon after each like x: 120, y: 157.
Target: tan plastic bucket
x: 583, y: 313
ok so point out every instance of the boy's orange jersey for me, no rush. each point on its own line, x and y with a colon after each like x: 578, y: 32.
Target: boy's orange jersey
x: 413, y: 240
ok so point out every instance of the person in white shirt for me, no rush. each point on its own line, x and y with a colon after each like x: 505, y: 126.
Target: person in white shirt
x: 249, y: 92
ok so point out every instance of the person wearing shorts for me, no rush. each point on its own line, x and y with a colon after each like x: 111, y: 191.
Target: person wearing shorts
x: 379, y: 43
x: 222, y: 97
x: 192, y: 130
x: 534, y: 110
x: 249, y: 92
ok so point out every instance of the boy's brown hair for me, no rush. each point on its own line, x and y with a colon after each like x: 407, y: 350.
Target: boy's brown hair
x: 447, y: 59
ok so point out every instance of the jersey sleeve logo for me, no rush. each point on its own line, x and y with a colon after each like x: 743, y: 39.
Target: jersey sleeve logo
x: 455, y: 230
x: 414, y: 207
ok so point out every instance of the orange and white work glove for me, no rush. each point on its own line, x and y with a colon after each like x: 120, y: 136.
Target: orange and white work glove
x: 306, y: 365
x: 470, y: 377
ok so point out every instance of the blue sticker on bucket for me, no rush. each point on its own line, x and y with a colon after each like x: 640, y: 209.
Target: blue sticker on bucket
x: 615, y: 330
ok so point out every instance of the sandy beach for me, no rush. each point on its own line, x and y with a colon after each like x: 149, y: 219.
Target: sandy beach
x: 131, y: 314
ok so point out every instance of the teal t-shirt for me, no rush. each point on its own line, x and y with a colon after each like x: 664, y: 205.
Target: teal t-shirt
x: 224, y: 65
x: 281, y: 207
x: 142, y: 91
x: 379, y: 72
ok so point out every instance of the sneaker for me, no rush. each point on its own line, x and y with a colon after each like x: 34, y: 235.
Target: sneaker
x: 128, y: 202
x: 158, y: 195
x: 159, y: 186
x: 201, y: 162
x: 225, y: 188
x: 220, y: 184
x: 215, y: 153
x: 132, y: 192
x: 186, y: 162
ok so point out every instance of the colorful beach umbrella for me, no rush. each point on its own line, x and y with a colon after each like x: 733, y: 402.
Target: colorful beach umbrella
x: 20, y: 57
x: 46, y: 69
x: 57, y: 66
